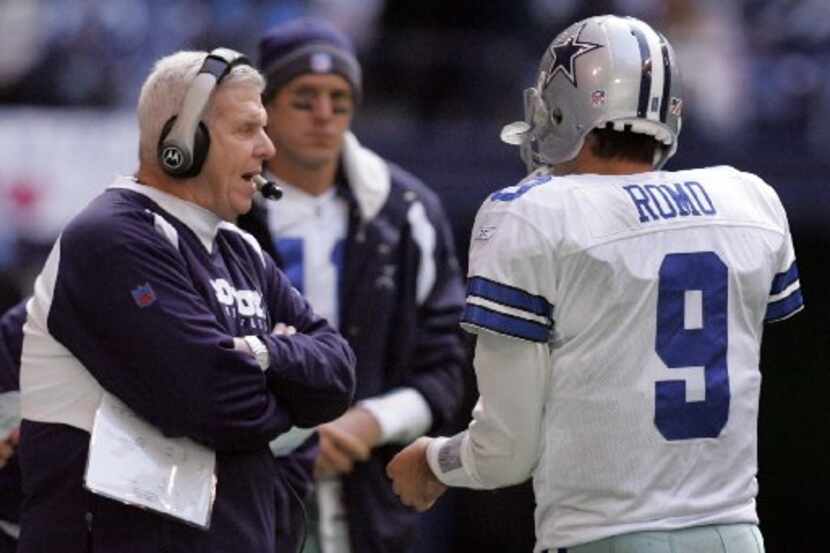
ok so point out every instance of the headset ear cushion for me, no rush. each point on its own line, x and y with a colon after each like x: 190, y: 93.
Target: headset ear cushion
x: 201, y: 145
x: 165, y: 130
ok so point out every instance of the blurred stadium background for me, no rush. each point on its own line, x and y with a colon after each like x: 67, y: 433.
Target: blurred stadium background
x: 441, y: 78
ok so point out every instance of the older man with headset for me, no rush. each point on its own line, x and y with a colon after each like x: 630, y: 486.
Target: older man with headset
x: 152, y: 301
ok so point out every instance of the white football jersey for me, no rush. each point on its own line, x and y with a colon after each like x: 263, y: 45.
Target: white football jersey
x: 309, y: 233
x: 651, y: 290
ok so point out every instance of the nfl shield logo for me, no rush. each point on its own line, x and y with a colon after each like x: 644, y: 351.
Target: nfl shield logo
x: 144, y: 295
x: 321, y: 62
x: 598, y: 98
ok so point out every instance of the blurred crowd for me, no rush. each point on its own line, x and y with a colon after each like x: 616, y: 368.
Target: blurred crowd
x: 747, y: 63
x: 440, y: 78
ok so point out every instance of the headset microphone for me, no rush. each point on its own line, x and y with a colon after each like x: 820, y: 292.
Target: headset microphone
x: 267, y: 188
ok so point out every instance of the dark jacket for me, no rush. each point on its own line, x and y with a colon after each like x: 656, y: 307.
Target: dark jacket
x: 11, y: 343
x: 147, y: 292
x: 399, y: 341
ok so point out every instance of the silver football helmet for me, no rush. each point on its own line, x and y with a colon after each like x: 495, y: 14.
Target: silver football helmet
x: 604, y: 71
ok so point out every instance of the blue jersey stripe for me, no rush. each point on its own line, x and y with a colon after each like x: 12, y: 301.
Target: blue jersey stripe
x: 505, y: 324
x: 522, y: 187
x: 645, y: 71
x: 664, y: 102
x: 509, y: 296
x: 785, y: 307
x: 292, y: 253
x: 782, y: 280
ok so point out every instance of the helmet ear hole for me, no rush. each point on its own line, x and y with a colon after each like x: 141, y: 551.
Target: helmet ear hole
x: 556, y: 116
x: 539, y: 111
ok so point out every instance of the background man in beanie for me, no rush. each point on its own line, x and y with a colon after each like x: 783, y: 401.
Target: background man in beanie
x: 369, y: 246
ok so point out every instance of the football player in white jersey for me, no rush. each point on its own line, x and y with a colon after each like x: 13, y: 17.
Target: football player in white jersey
x: 619, y: 310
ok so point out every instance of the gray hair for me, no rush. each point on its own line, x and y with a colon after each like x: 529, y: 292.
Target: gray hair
x: 162, y: 95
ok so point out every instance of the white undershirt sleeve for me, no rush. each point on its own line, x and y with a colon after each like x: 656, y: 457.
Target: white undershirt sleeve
x: 402, y: 414
x: 503, y: 442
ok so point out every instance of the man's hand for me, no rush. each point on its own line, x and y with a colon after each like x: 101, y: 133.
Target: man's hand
x: 346, y: 440
x: 282, y: 329
x: 8, y: 445
x: 412, y: 479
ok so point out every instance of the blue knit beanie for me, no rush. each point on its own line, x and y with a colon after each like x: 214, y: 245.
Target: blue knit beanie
x: 306, y: 45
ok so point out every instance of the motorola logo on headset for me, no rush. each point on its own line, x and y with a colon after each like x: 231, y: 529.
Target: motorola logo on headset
x: 172, y: 158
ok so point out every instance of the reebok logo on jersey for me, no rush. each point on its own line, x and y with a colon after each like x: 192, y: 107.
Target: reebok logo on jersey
x: 144, y: 295
x: 486, y: 233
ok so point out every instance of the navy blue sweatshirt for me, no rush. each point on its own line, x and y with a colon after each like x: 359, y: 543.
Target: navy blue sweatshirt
x: 11, y: 493
x: 142, y: 296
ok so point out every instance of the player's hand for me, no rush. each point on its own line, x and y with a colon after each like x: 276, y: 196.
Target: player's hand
x: 346, y: 440
x: 412, y: 479
x: 8, y: 446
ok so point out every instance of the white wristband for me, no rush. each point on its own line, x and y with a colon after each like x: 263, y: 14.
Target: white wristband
x: 263, y: 358
x: 402, y: 414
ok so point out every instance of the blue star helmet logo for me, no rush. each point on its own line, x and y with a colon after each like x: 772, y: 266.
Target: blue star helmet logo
x: 565, y: 54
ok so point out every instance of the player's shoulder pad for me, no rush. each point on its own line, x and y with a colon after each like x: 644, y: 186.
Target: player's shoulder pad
x: 521, y: 189
x: 752, y: 179
x: 534, y: 197
x: 756, y: 183
x: 729, y: 175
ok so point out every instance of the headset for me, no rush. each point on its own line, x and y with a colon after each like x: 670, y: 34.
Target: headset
x: 185, y: 139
